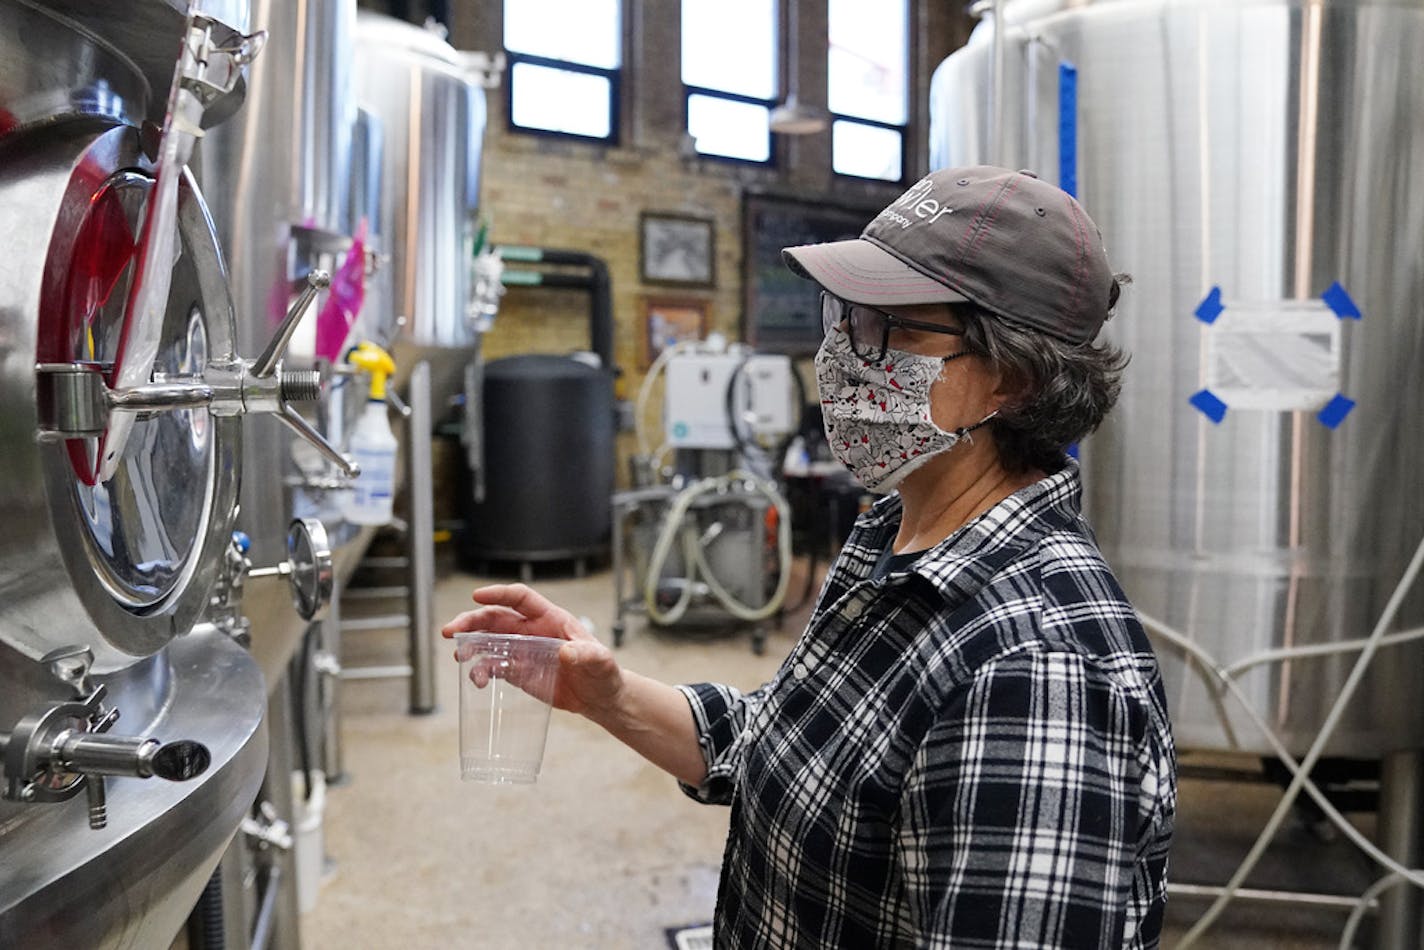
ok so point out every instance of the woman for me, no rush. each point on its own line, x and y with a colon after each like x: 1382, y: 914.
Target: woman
x: 969, y: 745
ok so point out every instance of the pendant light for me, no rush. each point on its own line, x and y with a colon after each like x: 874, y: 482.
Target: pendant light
x: 792, y: 117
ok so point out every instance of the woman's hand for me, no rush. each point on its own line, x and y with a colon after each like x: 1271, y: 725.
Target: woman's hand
x: 590, y: 680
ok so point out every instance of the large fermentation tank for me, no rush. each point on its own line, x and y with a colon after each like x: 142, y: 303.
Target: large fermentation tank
x: 430, y: 106
x: 279, y: 177
x: 1258, y: 168
x: 116, y: 568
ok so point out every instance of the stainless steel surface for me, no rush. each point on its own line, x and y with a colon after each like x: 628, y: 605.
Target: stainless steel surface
x: 268, y: 605
x: 59, y: 71
x: 420, y: 493
x: 133, y: 883
x: 278, y: 177
x: 432, y: 115
x: 1269, y: 149
x: 266, y: 364
x: 114, y: 60
x: 124, y: 565
x: 1401, y: 834
x: 328, y: 668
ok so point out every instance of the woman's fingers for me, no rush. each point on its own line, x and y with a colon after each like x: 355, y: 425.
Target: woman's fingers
x: 518, y: 597
x: 516, y: 608
x: 491, y: 619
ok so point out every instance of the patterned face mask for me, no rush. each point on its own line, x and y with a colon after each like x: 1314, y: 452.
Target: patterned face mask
x: 877, y: 417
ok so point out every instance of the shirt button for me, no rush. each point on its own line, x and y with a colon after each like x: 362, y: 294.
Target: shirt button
x: 852, y: 610
x: 800, y: 671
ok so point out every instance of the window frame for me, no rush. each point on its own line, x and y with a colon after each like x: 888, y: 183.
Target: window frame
x: 773, y: 153
x: 614, y: 77
x: 903, y: 131
x: 903, y: 128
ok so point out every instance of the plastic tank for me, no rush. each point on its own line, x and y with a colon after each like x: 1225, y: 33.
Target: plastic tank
x: 548, y: 424
x: 1259, y: 170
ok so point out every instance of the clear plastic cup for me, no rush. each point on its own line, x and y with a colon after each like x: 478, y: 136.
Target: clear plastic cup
x: 506, y: 691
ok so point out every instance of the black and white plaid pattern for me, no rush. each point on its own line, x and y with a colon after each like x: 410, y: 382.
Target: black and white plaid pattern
x: 972, y: 753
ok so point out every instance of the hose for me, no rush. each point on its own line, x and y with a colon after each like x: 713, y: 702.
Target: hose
x: 205, y: 924
x: 783, y: 548
x: 747, y: 447
x: 645, y: 392
x: 1300, y: 771
x: 1181, y: 641
x: 676, y: 526
x: 1347, y: 936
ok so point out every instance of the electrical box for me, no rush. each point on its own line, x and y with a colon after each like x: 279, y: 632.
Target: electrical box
x: 695, y: 402
x: 770, y: 395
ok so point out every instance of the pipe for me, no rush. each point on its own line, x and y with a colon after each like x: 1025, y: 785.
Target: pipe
x: 996, y: 129
x: 596, y: 282
x: 421, y: 538
x: 267, y: 913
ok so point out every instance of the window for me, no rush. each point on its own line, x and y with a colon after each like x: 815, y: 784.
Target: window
x: 729, y: 76
x: 868, y: 87
x: 564, y: 59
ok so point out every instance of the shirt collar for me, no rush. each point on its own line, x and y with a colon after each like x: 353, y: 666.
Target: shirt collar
x: 961, y: 564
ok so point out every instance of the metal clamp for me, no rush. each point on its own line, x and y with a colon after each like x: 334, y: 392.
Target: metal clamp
x: 266, y: 829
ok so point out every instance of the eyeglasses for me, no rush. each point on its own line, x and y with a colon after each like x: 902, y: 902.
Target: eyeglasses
x: 869, y: 327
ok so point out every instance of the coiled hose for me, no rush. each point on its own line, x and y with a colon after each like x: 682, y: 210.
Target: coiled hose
x: 678, y: 527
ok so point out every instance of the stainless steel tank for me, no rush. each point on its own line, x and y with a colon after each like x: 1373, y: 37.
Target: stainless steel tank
x: 280, y: 186
x: 431, y: 107
x: 103, y: 579
x: 1258, y: 168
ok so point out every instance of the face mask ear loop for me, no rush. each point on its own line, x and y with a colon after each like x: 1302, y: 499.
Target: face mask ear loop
x: 964, y: 432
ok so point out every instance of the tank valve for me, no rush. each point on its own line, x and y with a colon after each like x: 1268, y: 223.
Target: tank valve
x: 59, y: 750
x: 74, y: 401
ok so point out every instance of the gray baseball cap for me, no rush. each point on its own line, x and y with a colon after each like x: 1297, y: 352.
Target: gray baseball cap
x: 1016, y: 246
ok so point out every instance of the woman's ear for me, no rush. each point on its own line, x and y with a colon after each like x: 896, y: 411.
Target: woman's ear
x: 1011, y: 389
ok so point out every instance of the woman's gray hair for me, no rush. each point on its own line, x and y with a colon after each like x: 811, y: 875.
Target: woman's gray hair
x: 1065, y: 389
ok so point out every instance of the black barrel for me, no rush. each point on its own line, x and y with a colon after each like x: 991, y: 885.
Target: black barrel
x: 548, y: 461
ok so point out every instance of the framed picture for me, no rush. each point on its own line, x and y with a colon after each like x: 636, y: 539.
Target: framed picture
x: 782, y: 312
x: 670, y: 321
x: 676, y: 249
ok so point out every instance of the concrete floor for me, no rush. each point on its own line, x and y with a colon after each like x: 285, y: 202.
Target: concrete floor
x: 605, y: 852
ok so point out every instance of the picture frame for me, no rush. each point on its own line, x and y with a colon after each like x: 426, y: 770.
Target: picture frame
x: 781, y: 311
x: 671, y: 320
x: 676, y: 249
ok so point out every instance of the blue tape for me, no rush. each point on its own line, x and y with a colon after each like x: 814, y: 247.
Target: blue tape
x: 1211, y: 306
x: 1339, y: 301
x: 1335, y: 411
x: 1068, y: 127
x: 1208, y: 405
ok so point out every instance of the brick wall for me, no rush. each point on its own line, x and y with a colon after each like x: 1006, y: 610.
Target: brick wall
x: 559, y: 193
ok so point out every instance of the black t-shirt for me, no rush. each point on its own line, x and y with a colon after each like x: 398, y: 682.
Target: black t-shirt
x: 890, y: 562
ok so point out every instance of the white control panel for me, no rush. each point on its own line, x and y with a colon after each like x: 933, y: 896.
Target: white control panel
x: 696, y: 409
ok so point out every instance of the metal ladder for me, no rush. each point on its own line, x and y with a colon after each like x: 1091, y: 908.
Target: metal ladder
x: 415, y: 589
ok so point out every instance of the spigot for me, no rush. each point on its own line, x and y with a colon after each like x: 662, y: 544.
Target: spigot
x: 59, y: 750
x: 73, y: 400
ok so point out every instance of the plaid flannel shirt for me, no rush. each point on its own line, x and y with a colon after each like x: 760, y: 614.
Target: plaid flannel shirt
x: 971, y: 753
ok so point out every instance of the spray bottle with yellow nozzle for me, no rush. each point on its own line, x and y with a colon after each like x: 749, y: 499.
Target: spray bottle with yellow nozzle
x: 373, y: 445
